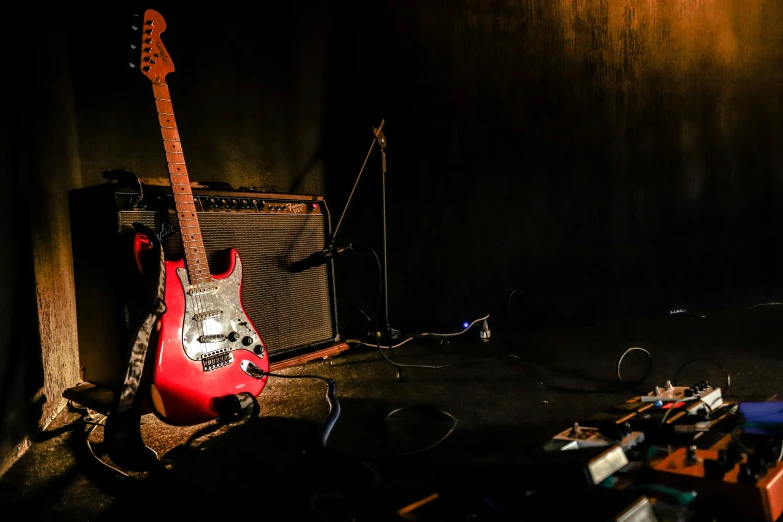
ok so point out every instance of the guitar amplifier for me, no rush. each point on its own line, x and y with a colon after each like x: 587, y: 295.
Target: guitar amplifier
x: 294, y: 312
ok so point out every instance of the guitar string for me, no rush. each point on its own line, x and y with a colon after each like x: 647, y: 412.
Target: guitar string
x: 200, y: 306
x: 199, y: 300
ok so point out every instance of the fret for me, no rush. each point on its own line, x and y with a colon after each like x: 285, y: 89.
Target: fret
x: 185, y: 207
x: 161, y: 91
x: 169, y: 133
x: 179, y: 178
x: 175, y: 168
x: 167, y: 121
x: 172, y: 146
x: 187, y: 197
x: 175, y: 157
x: 164, y: 107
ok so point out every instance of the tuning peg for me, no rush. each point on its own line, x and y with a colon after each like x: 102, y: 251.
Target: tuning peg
x: 132, y: 65
x: 133, y: 47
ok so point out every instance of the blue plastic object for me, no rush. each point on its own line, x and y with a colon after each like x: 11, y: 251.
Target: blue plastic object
x: 763, y: 418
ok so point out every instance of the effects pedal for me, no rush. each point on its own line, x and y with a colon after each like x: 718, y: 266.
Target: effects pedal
x: 704, y: 397
x: 732, y: 485
x: 579, y: 437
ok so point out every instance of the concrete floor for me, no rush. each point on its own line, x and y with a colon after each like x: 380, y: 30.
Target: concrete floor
x: 505, y: 407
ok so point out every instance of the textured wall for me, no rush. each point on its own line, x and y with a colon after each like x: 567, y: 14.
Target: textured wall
x: 39, y: 349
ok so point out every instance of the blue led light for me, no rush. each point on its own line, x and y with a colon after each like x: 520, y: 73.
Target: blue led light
x: 465, y: 324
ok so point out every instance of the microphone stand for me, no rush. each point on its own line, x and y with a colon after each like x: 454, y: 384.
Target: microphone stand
x: 376, y: 133
x: 388, y: 334
x: 391, y: 333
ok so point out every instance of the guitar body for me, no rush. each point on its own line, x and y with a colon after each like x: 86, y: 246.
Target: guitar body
x: 204, y: 344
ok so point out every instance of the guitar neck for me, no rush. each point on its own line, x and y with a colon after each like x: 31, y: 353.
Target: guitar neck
x: 193, y: 245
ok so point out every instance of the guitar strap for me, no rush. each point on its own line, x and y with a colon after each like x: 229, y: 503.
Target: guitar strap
x: 138, y: 352
x: 122, y: 435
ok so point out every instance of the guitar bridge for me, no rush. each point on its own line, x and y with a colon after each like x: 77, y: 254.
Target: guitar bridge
x: 217, y: 359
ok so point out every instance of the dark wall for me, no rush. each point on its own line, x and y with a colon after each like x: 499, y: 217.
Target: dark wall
x: 603, y: 157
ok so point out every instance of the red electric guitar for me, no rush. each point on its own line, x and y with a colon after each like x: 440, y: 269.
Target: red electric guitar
x: 207, y: 348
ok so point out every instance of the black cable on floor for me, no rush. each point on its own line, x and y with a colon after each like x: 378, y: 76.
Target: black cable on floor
x: 331, y: 398
x: 725, y: 391
x: 633, y: 384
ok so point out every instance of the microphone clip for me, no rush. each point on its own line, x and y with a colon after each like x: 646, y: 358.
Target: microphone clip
x: 334, y: 251
x: 318, y: 258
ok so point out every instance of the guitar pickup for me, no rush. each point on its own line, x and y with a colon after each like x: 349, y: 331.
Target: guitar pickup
x: 217, y: 359
x: 203, y: 316
x: 200, y: 290
x: 213, y: 338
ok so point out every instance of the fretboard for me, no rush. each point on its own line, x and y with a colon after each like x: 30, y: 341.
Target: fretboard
x: 193, y: 246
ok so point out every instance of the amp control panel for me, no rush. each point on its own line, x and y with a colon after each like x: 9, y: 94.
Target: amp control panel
x: 206, y: 201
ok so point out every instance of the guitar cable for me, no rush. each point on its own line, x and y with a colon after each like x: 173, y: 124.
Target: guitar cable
x: 331, y: 398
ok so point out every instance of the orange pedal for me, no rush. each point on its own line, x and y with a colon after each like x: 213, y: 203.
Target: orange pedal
x: 739, y: 501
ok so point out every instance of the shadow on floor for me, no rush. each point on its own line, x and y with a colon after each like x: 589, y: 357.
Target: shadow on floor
x: 271, y: 467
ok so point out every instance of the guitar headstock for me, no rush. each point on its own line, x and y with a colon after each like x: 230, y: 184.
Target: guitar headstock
x: 149, y: 53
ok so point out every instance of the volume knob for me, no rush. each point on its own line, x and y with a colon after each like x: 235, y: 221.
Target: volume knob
x: 247, y: 340
x: 233, y: 337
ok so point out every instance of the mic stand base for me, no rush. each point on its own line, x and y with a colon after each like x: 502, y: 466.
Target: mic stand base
x: 386, y: 340
x: 389, y: 338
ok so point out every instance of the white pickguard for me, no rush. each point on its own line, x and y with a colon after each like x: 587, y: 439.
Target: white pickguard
x: 214, y: 323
